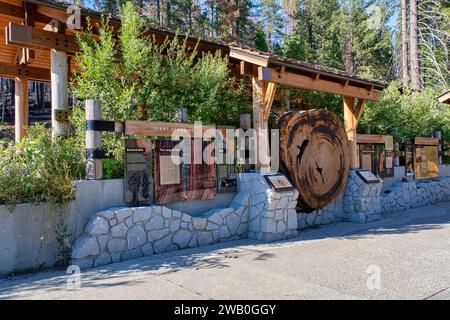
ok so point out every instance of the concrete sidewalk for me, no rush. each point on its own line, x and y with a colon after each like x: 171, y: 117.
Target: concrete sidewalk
x: 409, y: 250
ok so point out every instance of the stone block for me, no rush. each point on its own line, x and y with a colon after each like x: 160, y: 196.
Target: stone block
x: 107, y: 214
x: 232, y: 222
x: 122, y: 214
x: 174, y: 225
x: 97, y: 225
x: 291, y: 220
x: 268, y: 225
x: 102, y: 241
x: 85, y: 247
x: 212, y: 226
x: 136, y: 237
x: 215, y: 218
x: 281, y: 227
x: 224, y: 232
x: 199, y: 223
x: 166, y: 212
x: 182, y: 238
x: 141, y: 215
x: 119, y: 231
x: 156, y: 222
x: 157, y: 234
x: 116, y: 245
x: 162, y: 245
x: 204, y: 238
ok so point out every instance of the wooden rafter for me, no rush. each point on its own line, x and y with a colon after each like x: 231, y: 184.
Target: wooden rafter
x: 32, y: 73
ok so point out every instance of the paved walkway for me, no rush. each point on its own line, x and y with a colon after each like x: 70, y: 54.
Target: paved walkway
x: 410, y: 251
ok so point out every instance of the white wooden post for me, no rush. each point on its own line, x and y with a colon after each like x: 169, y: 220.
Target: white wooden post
x: 94, y: 168
x: 59, y: 69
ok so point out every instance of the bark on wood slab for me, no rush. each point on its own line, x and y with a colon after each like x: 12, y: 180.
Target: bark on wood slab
x: 314, y: 153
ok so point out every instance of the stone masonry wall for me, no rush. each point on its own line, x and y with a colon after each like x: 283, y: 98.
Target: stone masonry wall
x: 404, y: 196
x: 333, y: 212
x: 368, y: 202
x: 362, y: 203
x: 272, y: 215
x: 125, y: 233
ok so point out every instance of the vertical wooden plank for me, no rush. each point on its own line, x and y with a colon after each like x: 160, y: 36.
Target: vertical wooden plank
x: 59, y: 69
x: 351, y: 123
x: 21, y: 107
x: 94, y: 167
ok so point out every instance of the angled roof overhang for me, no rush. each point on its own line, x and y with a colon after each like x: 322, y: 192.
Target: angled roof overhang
x: 294, y: 73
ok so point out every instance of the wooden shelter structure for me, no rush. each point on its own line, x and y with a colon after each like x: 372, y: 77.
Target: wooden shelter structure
x: 37, y: 44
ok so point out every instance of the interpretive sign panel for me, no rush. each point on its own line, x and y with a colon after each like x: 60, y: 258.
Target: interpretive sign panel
x: 138, y: 178
x: 279, y: 182
x: 367, y: 176
x: 181, y: 174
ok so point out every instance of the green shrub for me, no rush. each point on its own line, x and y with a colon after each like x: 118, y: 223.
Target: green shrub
x: 412, y: 114
x: 40, y: 169
x: 137, y: 78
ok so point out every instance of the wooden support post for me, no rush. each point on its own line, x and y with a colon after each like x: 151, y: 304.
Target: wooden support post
x: 352, y: 114
x: 21, y: 107
x: 59, y: 69
x: 263, y: 95
x: 94, y: 167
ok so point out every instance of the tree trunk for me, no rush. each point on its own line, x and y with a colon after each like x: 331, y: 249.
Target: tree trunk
x: 158, y: 11
x: 414, y: 43
x: 212, y: 19
x: 314, y: 152
x: 168, y: 13
x: 405, y: 74
x: 348, y: 60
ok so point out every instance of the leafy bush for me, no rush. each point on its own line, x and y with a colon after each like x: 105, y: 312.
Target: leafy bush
x: 40, y: 168
x: 137, y: 78
x: 412, y: 114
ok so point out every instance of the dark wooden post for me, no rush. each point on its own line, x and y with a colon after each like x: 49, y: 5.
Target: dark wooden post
x: 94, y: 169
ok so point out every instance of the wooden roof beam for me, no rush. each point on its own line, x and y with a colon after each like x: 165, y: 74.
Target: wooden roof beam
x: 248, y: 56
x: 28, y: 37
x: 321, y: 85
x: 10, y: 10
x: 32, y: 73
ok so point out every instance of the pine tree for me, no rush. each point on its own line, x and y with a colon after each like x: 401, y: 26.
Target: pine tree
x: 269, y: 14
